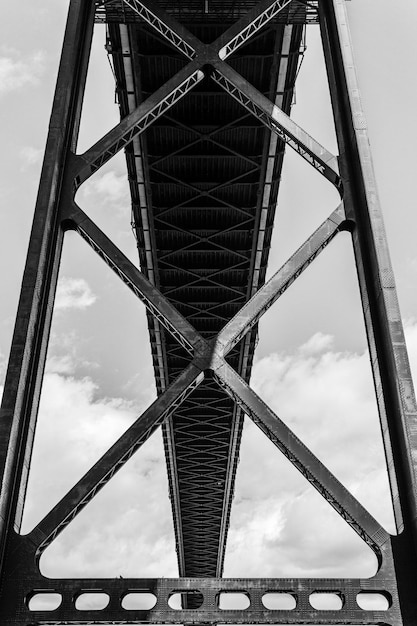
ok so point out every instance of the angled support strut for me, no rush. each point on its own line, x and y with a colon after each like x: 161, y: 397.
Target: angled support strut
x: 56, y: 211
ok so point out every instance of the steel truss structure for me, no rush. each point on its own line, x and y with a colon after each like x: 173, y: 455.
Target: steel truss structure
x: 191, y: 338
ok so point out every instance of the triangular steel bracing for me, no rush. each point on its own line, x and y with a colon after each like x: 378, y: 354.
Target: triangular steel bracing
x: 205, y: 91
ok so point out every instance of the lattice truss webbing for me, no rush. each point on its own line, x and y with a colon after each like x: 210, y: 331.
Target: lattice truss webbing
x: 202, y: 441
x: 209, y: 368
x: 117, y: 12
x: 23, y: 581
x: 208, y: 163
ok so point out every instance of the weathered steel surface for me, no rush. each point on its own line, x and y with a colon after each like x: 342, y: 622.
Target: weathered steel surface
x: 27, y: 357
x: 251, y: 312
x: 208, y: 592
x: 388, y: 352
x: 114, y: 459
x: 137, y: 122
x: 211, y: 189
x: 275, y: 119
x: 194, y: 345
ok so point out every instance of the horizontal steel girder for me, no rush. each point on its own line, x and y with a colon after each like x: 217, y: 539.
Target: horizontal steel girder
x: 209, y: 593
x: 23, y: 579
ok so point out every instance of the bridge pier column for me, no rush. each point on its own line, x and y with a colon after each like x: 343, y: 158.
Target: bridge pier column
x: 359, y: 212
x: 391, y: 370
x: 29, y: 344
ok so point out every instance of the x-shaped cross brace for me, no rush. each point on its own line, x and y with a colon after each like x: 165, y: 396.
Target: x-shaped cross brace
x: 208, y: 357
x: 207, y: 57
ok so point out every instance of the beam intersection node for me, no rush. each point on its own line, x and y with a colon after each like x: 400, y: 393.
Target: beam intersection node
x: 206, y: 340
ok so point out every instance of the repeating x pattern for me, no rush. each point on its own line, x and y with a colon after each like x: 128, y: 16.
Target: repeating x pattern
x: 204, y: 341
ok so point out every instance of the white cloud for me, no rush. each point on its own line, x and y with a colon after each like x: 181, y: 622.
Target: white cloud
x: 327, y: 398
x: 106, y: 198
x: 127, y: 529
x: 73, y: 293
x: 2, y: 368
x: 30, y: 155
x: 317, y: 343
x: 280, y: 525
x: 110, y: 185
x: 60, y: 364
x: 16, y: 72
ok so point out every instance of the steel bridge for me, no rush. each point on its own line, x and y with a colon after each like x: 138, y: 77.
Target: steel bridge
x: 205, y: 89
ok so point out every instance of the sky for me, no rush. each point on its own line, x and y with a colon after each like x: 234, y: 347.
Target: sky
x: 311, y: 363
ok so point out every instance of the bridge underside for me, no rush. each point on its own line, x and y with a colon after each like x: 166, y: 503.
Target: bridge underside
x: 204, y: 180
x: 205, y: 88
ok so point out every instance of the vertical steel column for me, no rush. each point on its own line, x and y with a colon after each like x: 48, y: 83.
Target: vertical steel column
x: 28, y: 352
x: 391, y: 371
x: 21, y: 579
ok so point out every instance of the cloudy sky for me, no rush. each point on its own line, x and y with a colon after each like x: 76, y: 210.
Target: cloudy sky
x: 311, y: 365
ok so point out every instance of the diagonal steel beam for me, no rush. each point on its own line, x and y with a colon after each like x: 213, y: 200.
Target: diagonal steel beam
x: 226, y: 183
x: 208, y: 278
x: 393, y: 382
x: 276, y: 120
x: 227, y: 205
x: 228, y: 126
x: 184, y: 41
x: 156, y: 303
x: 175, y: 153
x: 292, y: 447
x: 259, y: 105
x: 136, y: 122
x: 208, y: 357
x: 249, y: 160
x: 255, y: 19
x: 344, y: 503
x: 253, y: 310
x: 172, y: 30
x: 178, y: 229
x: 19, y: 407
x: 202, y: 138
x: 114, y: 459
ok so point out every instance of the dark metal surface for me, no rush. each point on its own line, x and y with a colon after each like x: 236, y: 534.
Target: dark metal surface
x: 277, y: 121
x: 209, y: 223
x: 204, y: 177
x: 208, y: 610
x: 28, y: 352
x: 388, y: 352
x: 137, y: 122
x: 196, y: 11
